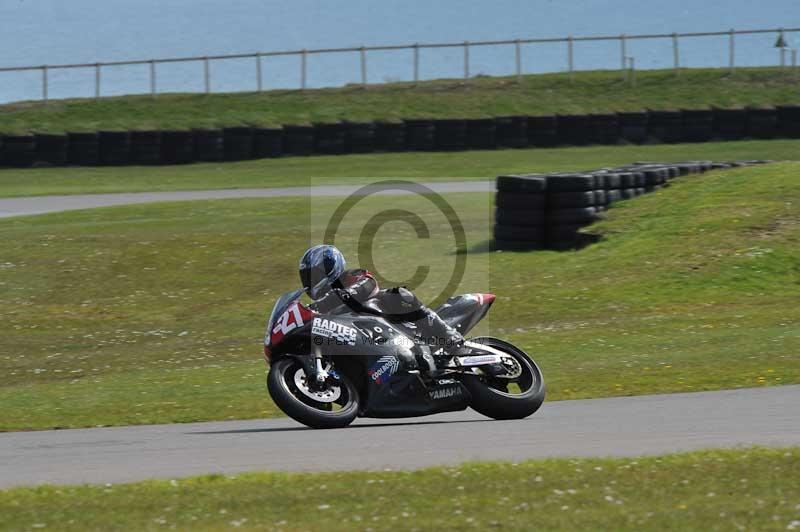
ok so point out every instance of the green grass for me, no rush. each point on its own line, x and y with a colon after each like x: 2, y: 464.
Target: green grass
x: 485, y: 96
x: 299, y: 171
x: 154, y: 313
x: 752, y: 489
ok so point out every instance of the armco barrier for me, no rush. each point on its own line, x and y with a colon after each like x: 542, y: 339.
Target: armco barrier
x: 244, y: 142
x: 547, y: 211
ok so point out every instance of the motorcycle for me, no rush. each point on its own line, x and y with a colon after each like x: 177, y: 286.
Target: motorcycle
x: 327, y: 369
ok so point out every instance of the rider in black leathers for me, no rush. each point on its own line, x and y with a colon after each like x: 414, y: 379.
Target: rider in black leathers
x: 325, y: 279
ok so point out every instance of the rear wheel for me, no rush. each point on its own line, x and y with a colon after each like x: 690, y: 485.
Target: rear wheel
x: 333, y: 405
x: 507, y: 397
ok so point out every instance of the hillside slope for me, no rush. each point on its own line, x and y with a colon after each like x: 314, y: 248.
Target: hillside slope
x: 485, y: 96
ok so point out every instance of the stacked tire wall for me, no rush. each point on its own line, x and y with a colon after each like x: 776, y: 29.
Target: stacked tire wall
x: 243, y: 143
x: 548, y: 211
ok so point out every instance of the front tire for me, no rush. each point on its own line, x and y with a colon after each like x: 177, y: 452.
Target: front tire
x: 283, y: 388
x: 491, y: 396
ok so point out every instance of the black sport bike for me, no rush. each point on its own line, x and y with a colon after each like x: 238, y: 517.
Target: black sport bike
x: 327, y: 369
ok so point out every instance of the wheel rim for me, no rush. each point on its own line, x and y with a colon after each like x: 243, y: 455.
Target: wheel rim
x: 522, y: 383
x: 326, y: 395
x: 330, y: 399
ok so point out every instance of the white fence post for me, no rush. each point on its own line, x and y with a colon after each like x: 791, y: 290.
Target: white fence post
x: 466, y: 61
x: 44, y: 83
x: 363, y: 53
x: 97, y: 80
x: 259, y: 83
x: 676, y: 58
x: 731, y: 51
x: 570, y: 57
x: 416, y: 63
x: 152, y: 78
x: 303, y: 67
x: 206, y: 75
x: 518, y: 58
x: 782, y: 39
x: 623, y: 56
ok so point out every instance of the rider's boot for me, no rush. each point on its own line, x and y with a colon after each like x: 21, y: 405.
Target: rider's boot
x: 443, y: 340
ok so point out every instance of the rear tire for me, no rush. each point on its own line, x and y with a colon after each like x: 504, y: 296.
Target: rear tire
x: 487, y: 397
x: 293, y: 403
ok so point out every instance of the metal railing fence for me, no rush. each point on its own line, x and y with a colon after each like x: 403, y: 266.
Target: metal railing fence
x: 626, y: 61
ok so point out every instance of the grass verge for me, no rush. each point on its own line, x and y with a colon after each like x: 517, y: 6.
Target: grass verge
x: 753, y: 489
x: 154, y: 313
x: 487, y: 96
x: 353, y: 169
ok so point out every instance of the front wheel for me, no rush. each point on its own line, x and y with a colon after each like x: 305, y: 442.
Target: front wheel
x: 333, y: 406
x: 507, y: 398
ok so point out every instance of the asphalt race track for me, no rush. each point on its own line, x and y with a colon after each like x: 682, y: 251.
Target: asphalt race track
x: 623, y: 426
x: 46, y: 204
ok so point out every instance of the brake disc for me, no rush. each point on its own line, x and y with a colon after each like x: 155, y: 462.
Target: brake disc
x: 327, y: 395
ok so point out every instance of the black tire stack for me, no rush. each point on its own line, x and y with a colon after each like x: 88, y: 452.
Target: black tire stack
x: 789, y: 121
x: 547, y: 211
x: 18, y: 151
x: 420, y: 135
x: 209, y: 145
x: 543, y: 131
x: 572, y: 202
x: 177, y: 147
x: 390, y: 136
x: 520, y: 212
x: 115, y: 147
x: 730, y: 124
x: 330, y: 138
x: 267, y: 142
x: 698, y: 125
x: 511, y: 131
x: 665, y: 126
x: 146, y: 147
x: 360, y: 137
x: 762, y: 122
x: 51, y: 149
x: 574, y: 130
x: 633, y: 126
x: 238, y: 143
x: 481, y: 134
x: 298, y: 139
x: 83, y: 149
x: 450, y: 135
x: 604, y: 128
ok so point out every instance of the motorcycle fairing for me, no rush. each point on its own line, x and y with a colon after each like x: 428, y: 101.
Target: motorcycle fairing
x: 465, y: 311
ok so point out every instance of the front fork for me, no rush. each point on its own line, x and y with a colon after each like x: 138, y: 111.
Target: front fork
x: 315, y: 367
